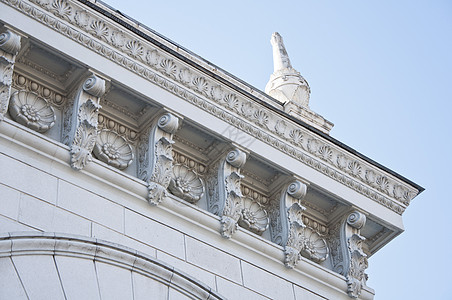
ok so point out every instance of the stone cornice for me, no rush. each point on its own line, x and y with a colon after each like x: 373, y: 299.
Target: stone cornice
x: 258, y: 119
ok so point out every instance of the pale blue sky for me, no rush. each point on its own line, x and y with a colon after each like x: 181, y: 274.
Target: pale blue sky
x: 381, y: 71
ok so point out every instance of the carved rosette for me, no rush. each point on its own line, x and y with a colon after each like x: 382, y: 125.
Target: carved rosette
x: 186, y: 184
x: 348, y: 256
x: 226, y: 197
x: 28, y: 109
x: 113, y: 149
x: 314, y: 247
x: 84, y: 121
x: 253, y: 216
x: 156, y: 158
x: 9, y: 47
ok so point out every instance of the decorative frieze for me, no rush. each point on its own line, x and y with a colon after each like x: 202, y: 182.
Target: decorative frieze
x: 155, y: 156
x: 84, y: 120
x: 146, y: 60
x: 348, y: 256
x: 225, y: 191
x: 31, y: 110
x: 9, y: 47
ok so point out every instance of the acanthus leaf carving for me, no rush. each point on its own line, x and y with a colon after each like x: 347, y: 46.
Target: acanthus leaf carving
x: 156, y: 156
x: 280, y: 127
x: 9, y: 47
x: 349, y: 258
x: 152, y: 57
x: 82, y: 145
x: 82, y: 18
x: 217, y: 92
x: 289, y: 230
x: 84, y: 121
x: 288, y: 234
x: 161, y: 173
x: 225, y: 196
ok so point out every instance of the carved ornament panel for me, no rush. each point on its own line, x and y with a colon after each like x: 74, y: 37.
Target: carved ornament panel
x: 30, y: 110
x: 155, y: 65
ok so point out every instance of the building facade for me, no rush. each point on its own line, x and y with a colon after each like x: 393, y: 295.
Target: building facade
x: 131, y: 168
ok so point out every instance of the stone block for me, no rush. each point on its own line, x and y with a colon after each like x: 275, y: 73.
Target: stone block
x: 231, y: 290
x: 10, y: 286
x: 266, y: 283
x: 303, y: 294
x: 90, y: 206
x: 114, y: 282
x: 27, y: 179
x: 36, y: 213
x: 8, y: 225
x: 147, y: 288
x: 39, y: 276
x: 9, y: 202
x: 174, y: 294
x: 103, y: 233
x: 78, y: 277
x: 154, y: 234
x: 213, y: 260
x: 199, y: 274
x: 66, y: 222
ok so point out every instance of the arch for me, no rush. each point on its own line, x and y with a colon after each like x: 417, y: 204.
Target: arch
x: 57, y: 266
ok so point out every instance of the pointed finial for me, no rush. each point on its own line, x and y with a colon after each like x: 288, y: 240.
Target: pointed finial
x: 289, y: 87
x: 280, y: 57
x: 286, y: 84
